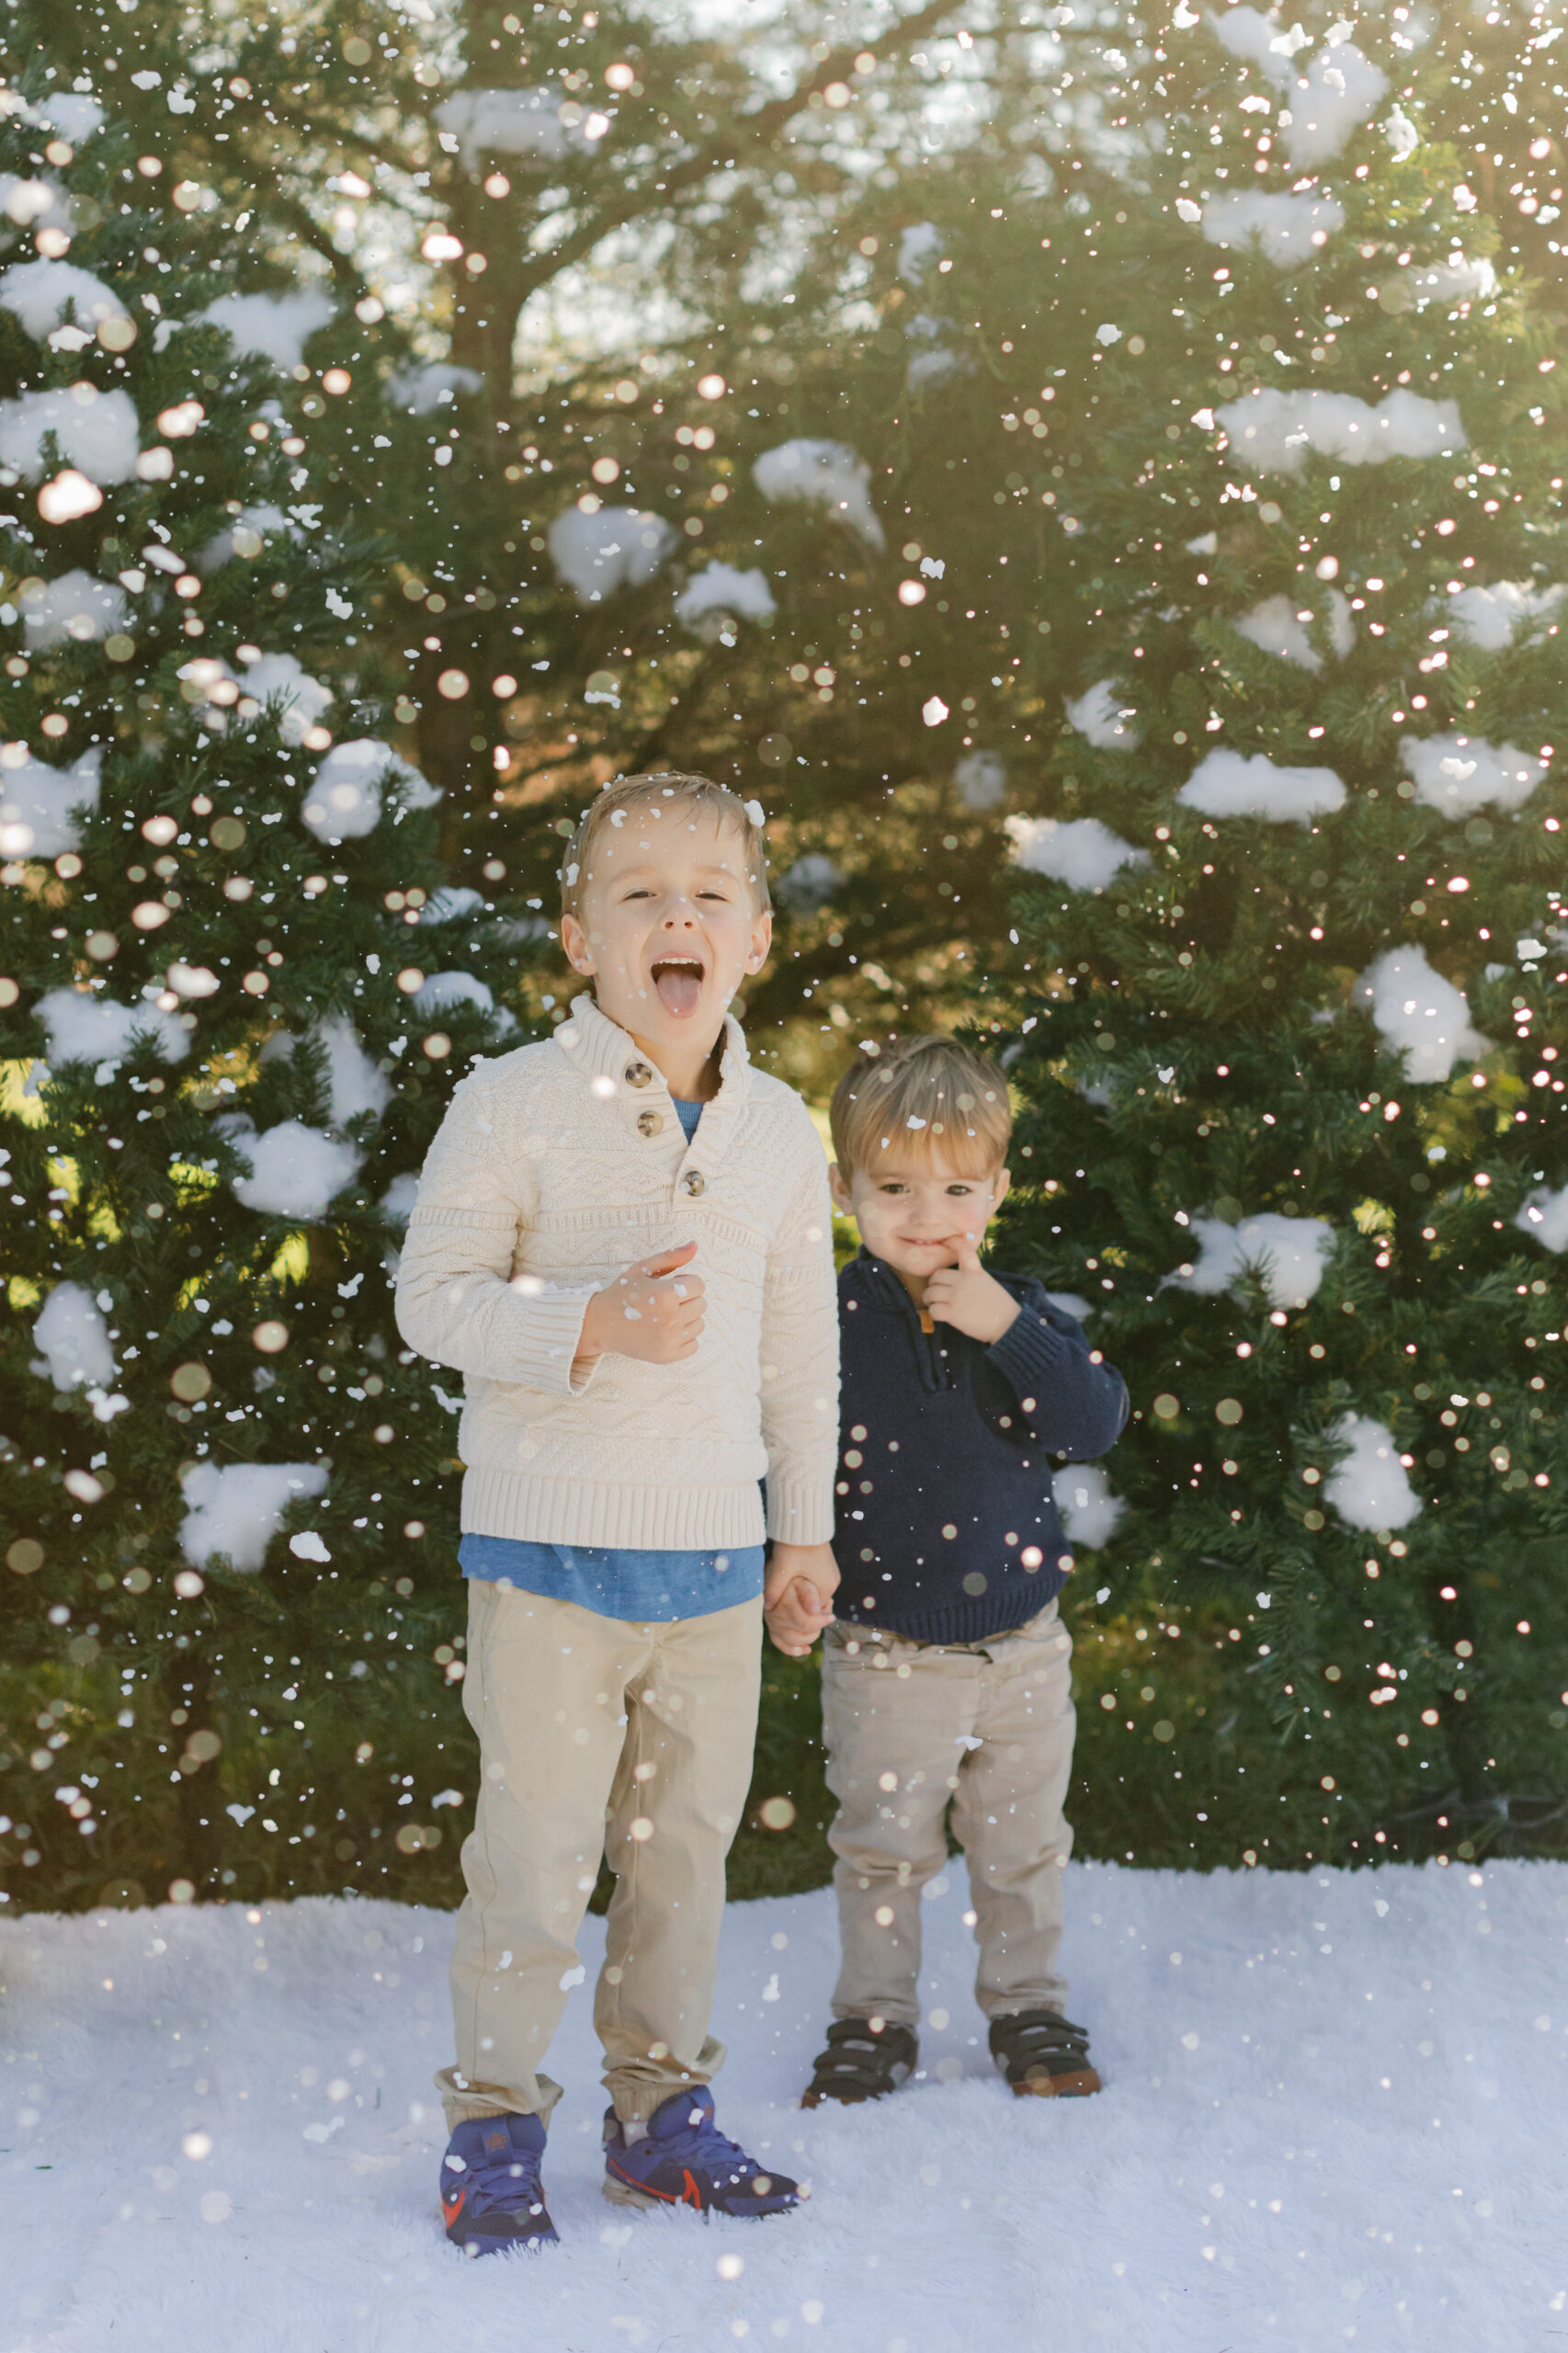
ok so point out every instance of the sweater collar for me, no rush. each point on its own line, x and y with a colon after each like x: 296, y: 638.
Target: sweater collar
x: 610, y: 1061
x: 882, y: 1285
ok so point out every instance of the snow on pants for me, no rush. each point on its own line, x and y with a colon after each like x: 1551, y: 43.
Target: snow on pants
x: 596, y: 1736
x: 908, y: 1726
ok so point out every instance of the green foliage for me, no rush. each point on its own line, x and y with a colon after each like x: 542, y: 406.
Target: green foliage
x: 210, y: 979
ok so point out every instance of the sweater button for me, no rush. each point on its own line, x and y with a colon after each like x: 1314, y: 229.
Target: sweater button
x: 694, y: 1182
x: 650, y: 1122
x: 638, y: 1074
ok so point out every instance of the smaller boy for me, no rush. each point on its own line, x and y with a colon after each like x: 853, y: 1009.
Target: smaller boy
x: 946, y: 1676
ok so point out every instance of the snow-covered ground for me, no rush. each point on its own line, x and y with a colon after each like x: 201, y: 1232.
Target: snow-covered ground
x: 1334, y: 2115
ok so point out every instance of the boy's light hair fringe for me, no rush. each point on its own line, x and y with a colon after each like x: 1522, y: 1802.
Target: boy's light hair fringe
x: 662, y: 789
x: 923, y: 1095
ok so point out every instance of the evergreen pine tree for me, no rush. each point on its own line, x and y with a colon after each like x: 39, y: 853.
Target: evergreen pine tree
x: 1293, y: 905
x: 233, y: 991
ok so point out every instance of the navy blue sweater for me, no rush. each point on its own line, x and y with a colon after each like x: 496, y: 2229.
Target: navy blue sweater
x: 947, y: 1531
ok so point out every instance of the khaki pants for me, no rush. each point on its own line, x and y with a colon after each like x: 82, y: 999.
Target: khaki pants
x: 597, y: 1738
x: 908, y: 1726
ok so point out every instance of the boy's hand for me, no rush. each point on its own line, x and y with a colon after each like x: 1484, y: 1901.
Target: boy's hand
x: 797, y: 1597
x: 653, y: 1310
x: 968, y: 1297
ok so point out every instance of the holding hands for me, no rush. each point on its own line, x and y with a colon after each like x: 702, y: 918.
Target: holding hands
x: 652, y: 1310
x: 968, y: 1297
x: 797, y: 1601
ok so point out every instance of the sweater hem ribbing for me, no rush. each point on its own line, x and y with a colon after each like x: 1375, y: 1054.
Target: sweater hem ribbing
x: 1013, y: 1604
x: 654, y: 1519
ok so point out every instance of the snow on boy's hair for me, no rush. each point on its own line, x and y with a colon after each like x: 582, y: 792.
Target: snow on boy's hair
x: 669, y: 791
x: 923, y: 1095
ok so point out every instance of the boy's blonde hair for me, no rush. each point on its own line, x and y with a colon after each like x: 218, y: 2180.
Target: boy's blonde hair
x: 921, y: 1095
x: 671, y: 788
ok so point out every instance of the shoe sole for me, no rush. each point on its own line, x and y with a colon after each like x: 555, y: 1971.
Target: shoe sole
x: 620, y: 2193
x: 1077, y: 2086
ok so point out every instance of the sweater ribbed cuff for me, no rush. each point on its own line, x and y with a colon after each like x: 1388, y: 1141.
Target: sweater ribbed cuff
x: 551, y: 1334
x: 800, y: 1507
x: 1029, y: 1352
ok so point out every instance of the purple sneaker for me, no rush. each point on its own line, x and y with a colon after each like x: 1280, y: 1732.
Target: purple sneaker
x: 492, y: 2197
x: 684, y: 2160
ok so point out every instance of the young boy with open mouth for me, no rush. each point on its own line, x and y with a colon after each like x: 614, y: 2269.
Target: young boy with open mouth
x: 622, y: 1238
x: 946, y: 1674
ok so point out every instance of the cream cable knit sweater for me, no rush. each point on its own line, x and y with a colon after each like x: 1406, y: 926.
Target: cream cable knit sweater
x: 556, y: 1166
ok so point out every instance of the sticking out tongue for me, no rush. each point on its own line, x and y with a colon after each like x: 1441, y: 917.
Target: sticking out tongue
x: 679, y: 986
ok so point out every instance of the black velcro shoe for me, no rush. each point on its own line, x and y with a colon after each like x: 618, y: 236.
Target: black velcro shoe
x: 1043, y: 2055
x: 865, y: 2058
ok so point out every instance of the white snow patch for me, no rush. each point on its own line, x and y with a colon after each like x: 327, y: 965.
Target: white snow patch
x: 1422, y: 1016
x: 1289, y: 1253
x: 1104, y: 719
x: 1460, y: 278
x: 1071, y: 1304
x: 982, y: 779
x: 1090, y: 1513
x: 443, y: 989
x: 273, y: 326
x: 419, y: 390
x: 1079, y: 851
x: 73, y: 1335
x: 95, y: 432
x: 1401, y: 134
x: 237, y: 1508
x: 74, y: 605
x: 39, y: 294
x: 1275, y: 628
x: 1344, y: 90
x: 253, y: 522
x: 345, y: 801
x: 306, y: 698
x: 1229, y: 784
x: 809, y: 883
x: 1288, y: 229
x: 1457, y: 773
x: 918, y: 246
x: 1544, y: 1218
x: 619, y: 547
x: 83, y: 1027
x: 1273, y: 428
x: 722, y: 592
x: 355, y: 1085
x: 1292, y: 2115
x: 40, y: 807
x: 39, y: 203
x: 822, y: 474
x: 1369, y: 1487
x: 514, y: 122
x: 295, y: 1171
x: 1490, y: 618
x: 73, y: 113
x: 399, y: 1197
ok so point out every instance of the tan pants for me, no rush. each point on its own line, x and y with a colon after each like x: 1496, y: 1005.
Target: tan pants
x: 908, y: 1726
x: 597, y: 1738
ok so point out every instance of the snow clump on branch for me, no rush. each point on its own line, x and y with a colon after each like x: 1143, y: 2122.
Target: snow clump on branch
x: 345, y: 801
x: 39, y: 294
x: 236, y: 1508
x: 83, y: 1028
x: 1459, y: 773
x: 982, y: 779
x: 1287, y: 1253
x: 295, y: 1171
x: 272, y: 326
x: 1080, y: 851
x: 1279, y: 626
x: 1340, y: 90
x: 74, y: 604
x: 822, y: 474
x: 1288, y: 229
x: 721, y: 594
x: 40, y: 805
x: 74, y: 1336
x: 1489, y: 618
x: 1369, y: 1487
x: 1090, y: 1513
x: 1544, y: 1218
x: 616, y: 547
x: 97, y: 432
x: 1274, y: 429
x: 1422, y: 1016
x: 1227, y: 784
x: 1104, y: 719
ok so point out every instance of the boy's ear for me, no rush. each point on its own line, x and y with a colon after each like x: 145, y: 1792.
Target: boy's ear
x: 761, y: 941
x: 575, y: 945
x: 1000, y: 1189
x: 842, y: 1198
